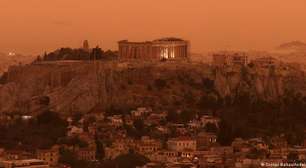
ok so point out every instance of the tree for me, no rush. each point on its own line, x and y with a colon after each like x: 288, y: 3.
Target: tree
x: 44, y: 100
x: 69, y: 158
x: 293, y: 156
x: 48, y: 117
x: 209, y: 102
x: 251, y: 65
x: 211, y: 127
x: 187, y: 115
x: 4, y: 78
x: 139, y: 124
x: 160, y: 84
x: 225, y: 134
x: 50, y: 126
x: 77, y: 116
x: 38, y: 59
x: 139, y: 127
x: 172, y: 116
x: 110, y: 55
x: 130, y: 160
x: 44, y: 130
x: 100, y: 148
x: 73, y: 141
x: 209, y: 85
x: 96, y: 53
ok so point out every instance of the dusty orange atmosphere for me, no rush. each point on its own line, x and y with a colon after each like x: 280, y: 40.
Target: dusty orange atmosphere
x: 33, y: 26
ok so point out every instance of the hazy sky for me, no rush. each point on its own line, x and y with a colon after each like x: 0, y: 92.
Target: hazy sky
x: 35, y: 26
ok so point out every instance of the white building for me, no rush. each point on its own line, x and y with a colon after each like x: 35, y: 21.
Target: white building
x: 116, y: 120
x: 74, y: 130
x: 140, y: 111
x: 205, y: 119
x: 182, y: 144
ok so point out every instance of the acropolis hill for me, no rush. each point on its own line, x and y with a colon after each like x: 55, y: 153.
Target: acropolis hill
x: 83, y: 85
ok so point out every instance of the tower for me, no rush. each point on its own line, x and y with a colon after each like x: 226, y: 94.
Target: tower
x: 85, y: 45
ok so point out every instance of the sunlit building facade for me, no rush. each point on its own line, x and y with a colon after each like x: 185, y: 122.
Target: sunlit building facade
x: 162, y: 49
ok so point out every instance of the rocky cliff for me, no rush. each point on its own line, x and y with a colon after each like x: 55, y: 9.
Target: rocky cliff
x: 81, y: 86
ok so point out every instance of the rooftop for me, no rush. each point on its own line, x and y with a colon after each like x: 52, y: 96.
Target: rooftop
x: 182, y: 139
x: 169, y: 39
x: 166, y: 39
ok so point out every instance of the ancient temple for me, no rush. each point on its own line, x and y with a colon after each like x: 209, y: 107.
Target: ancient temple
x: 162, y: 49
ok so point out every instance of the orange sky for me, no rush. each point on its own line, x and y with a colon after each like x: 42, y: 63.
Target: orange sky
x: 33, y: 26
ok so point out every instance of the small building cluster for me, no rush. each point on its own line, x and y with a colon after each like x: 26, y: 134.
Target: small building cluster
x: 147, y: 132
x: 266, y: 62
x: 228, y: 59
x: 222, y: 59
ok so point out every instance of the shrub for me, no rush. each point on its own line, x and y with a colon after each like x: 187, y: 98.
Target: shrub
x: 160, y: 83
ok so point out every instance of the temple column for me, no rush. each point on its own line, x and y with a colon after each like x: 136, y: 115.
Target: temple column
x: 127, y: 54
x: 143, y: 53
x: 136, y: 52
x: 186, y: 51
x: 124, y: 51
x: 132, y: 52
x: 182, y: 50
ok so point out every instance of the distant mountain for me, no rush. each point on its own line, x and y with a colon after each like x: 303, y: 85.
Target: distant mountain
x: 293, y: 52
x: 294, y: 45
x: 8, y: 59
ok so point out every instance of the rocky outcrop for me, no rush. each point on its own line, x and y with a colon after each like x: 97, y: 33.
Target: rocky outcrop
x: 262, y: 83
x: 80, y: 86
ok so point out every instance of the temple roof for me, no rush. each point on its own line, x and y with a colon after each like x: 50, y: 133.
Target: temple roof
x: 169, y: 39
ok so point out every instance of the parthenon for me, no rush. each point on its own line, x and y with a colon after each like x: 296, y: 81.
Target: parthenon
x: 165, y: 48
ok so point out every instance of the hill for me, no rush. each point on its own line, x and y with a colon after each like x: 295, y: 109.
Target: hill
x: 294, y: 45
x: 81, y: 86
x: 12, y: 59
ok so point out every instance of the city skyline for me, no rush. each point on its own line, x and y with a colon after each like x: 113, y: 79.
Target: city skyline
x: 32, y: 27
